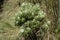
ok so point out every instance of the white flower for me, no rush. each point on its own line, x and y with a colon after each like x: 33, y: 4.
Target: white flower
x: 16, y: 22
x: 21, y: 30
x: 25, y: 11
x: 28, y: 28
x: 42, y: 14
x: 37, y: 5
x: 20, y: 12
x: 32, y: 13
x: 46, y: 25
x: 37, y: 16
x: 48, y: 22
x: 23, y: 4
x: 18, y: 17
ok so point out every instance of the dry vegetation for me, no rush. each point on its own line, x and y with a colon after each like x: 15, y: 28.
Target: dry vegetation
x: 8, y: 30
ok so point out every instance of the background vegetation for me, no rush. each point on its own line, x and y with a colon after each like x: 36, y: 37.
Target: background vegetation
x: 9, y: 9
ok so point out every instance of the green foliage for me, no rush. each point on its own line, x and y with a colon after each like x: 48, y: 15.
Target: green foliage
x: 29, y: 11
x: 29, y: 18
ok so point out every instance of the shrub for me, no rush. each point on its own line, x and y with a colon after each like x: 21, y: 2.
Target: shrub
x: 30, y: 19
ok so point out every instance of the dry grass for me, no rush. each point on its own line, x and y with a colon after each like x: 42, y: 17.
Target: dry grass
x: 7, y: 29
